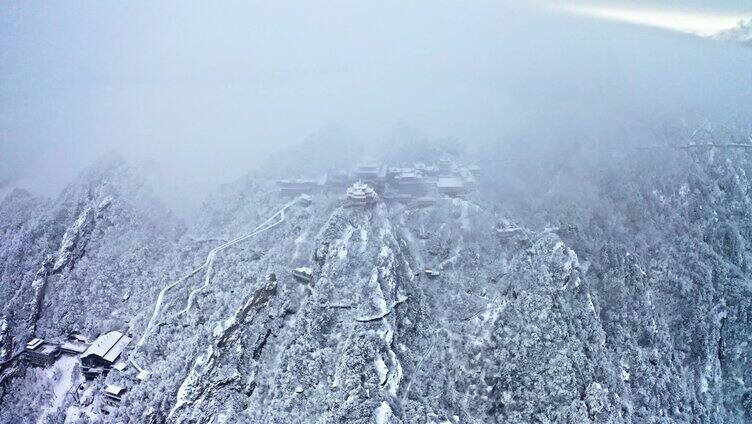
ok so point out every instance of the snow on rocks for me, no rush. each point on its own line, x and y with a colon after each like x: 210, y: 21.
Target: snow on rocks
x: 74, y: 238
x: 4, y: 339
x: 363, y: 239
x: 342, y: 244
x: 395, y: 374
x: 210, y: 372
x: 381, y: 369
x: 383, y: 413
x: 372, y: 305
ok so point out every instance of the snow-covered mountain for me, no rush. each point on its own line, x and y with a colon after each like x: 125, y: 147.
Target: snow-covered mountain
x: 610, y: 290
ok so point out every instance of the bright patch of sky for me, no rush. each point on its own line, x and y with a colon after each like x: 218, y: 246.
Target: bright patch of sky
x: 688, y: 18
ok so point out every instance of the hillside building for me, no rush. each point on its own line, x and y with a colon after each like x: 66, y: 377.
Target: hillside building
x: 303, y: 274
x: 368, y: 171
x: 113, y: 393
x: 431, y: 273
x: 392, y: 172
x: 111, y: 396
x: 411, y: 183
x: 451, y: 186
x: 445, y: 166
x: 103, y: 353
x: 40, y: 353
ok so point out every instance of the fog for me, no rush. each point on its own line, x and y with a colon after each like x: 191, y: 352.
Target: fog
x: 209, y: 91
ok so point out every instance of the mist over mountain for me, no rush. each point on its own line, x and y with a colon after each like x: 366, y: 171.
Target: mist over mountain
x: 208, y: 92
x: 374, y: 213
x: 742, y: 33
x: 581, y: 285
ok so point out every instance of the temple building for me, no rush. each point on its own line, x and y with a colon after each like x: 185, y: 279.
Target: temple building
x: 445, y: 166
x: 451, y: 186
x: 361, y: 194
x: 368, y: 171
x: 393, y: 182
x: 411, y: 183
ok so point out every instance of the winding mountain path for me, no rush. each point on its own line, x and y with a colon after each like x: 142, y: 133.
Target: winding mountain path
x: 210, y: 258
x: 264, y: 226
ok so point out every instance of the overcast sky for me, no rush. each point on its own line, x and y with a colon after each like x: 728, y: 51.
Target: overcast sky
x: 209, y: 90
x: 733, y: 5
x: 690, y: 17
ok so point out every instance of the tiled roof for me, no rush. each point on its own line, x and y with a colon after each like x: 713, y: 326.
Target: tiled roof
x: 108, y: 346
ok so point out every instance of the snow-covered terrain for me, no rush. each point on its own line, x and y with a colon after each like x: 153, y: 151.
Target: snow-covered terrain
x: 616, y: 293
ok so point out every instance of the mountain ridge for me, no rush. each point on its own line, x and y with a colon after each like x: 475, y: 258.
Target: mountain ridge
x: 629, y: 309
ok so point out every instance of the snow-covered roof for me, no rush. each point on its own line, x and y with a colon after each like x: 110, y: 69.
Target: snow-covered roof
x: 120, y: 366
x: 304, y: 270
x: 449, y: 182
x: 408, y: 175
x: 114, y: 390
x: 108, y: 346
x: 360, y: 191
x: 34, y: 343
x: 73, y: 347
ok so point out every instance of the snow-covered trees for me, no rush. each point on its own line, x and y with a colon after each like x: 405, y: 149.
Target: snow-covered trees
x: 624, y: 299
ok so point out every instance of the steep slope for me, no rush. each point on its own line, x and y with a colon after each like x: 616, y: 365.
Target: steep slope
x: 634, y: 307
x: 374, y: 339
x: 81, y: 262
x: 665, y: 236
x: 285, y: 356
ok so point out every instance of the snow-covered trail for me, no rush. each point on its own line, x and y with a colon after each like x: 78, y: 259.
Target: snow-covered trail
x: 210, y: 258
x: 160, y: 300
x: 207, y: 264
